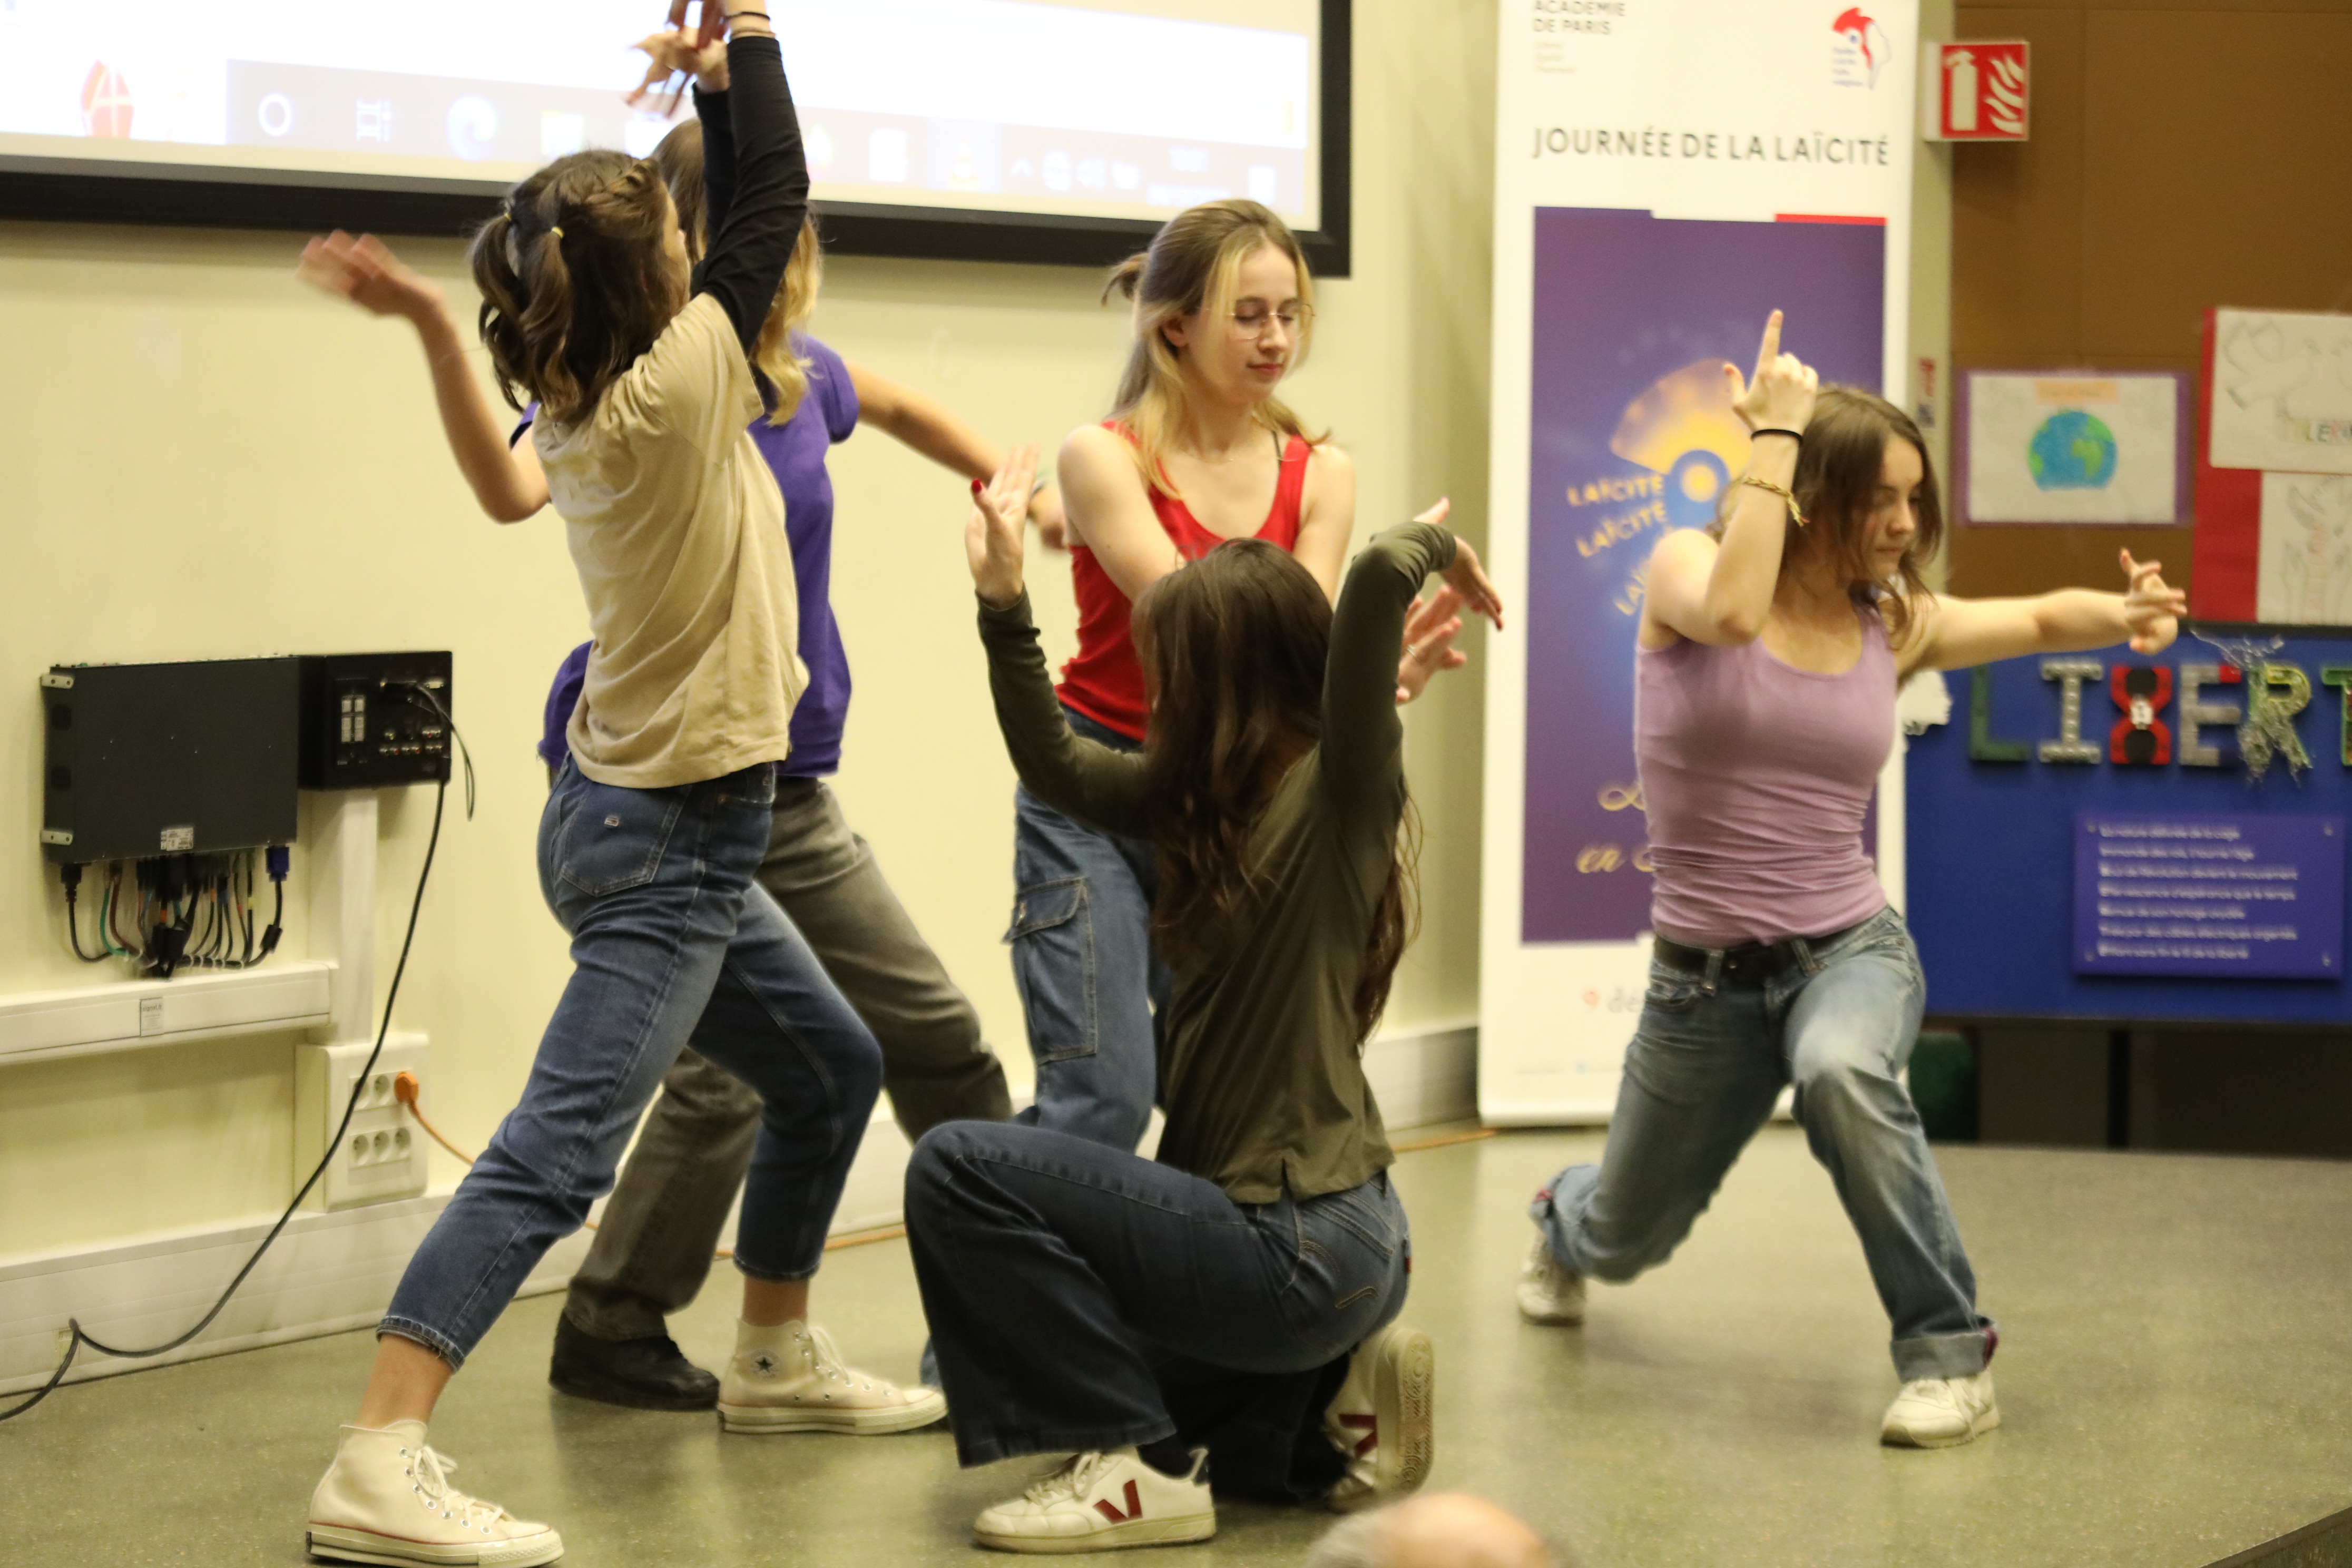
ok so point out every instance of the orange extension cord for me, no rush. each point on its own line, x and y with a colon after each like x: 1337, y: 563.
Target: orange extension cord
x: 405, y: 1086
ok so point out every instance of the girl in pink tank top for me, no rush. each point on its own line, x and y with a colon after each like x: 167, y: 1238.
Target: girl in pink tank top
x: 1198, y: 450
x: 1770, y: 651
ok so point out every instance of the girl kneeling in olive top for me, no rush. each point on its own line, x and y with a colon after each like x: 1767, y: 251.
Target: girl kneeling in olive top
x: 1237, y: 1297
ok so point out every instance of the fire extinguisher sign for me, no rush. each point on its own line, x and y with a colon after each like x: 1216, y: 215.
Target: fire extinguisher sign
x: 1974, y: 90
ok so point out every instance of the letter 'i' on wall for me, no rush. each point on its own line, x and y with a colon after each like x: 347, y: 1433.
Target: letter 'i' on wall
x: 1984, y: 745
x: 2340, y: 675
x: 2140, y: 738
x: 2070, y: 674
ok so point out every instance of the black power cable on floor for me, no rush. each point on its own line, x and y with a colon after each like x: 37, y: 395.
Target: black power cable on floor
x: 334, y: 1146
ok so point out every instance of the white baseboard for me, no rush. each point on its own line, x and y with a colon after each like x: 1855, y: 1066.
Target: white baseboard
x: 331, y: 1272
x: 328, y: 1272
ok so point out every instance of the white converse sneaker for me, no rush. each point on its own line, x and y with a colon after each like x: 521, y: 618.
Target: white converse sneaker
x: 1549, y: 1290
x: 1941, y: 1412
x: 790, y: 1378
x: 1101, y: 1502
x: 387, y: 1498
x: 1384, y: 1419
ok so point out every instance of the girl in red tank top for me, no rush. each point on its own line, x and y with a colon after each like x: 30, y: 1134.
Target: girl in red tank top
x: 1104, y: 681
x: 1197, y: 451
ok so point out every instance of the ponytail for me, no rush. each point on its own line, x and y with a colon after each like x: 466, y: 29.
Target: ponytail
x: 576, y: 281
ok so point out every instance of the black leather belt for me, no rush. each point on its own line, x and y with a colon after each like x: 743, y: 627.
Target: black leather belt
x: 1752, y: 962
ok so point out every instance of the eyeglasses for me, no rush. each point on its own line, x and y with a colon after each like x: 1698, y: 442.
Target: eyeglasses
x: 1251, y: 320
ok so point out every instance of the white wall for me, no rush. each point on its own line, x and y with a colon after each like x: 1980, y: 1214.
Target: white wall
x: 198, y: 459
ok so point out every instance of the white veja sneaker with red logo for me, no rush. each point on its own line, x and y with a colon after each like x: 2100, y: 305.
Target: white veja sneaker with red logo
x: 790, y: 1378
x: 1101, y: 1502
x: 387, y: 1498
x: 1384, y: 1419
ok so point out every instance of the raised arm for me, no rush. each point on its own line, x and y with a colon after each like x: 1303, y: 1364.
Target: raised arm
x: 506, y: 481
x: 1952, y: 634
x: 1720, y: 594
x: 751, y: 243
x: 1363, y: 736
x: 1080, y: 777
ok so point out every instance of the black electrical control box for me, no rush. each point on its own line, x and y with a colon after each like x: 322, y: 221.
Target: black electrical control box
x: 375, y: 721
x: 142, y: 759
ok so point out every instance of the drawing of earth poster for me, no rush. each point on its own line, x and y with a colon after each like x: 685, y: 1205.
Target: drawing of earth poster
x: 2082, y: 449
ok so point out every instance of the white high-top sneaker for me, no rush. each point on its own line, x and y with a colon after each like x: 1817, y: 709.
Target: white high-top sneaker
x: 1549, y: 1290
x: 790, y: 1378
x: 1941, y: 1412
x: 1099, y: 1502
x: 387, y: 1498
x: 1384, y: 1419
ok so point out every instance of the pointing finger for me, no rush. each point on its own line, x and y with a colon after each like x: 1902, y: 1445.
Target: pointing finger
x: 1771, y: 350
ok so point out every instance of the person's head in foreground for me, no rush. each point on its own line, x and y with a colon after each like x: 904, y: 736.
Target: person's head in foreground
x: 1444, y: 1529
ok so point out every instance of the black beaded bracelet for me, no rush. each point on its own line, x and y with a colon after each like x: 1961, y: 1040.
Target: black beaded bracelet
x: 1798, y: 436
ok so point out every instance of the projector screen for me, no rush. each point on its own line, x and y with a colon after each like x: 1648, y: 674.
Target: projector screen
x: 1093, y: 117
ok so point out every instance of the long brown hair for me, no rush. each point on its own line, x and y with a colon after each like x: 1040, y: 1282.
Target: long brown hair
x: 1233, y: 648
x: 575, y: 282
x: 680, y: 158
x: 1192, y: 266
x: 1836, y: 487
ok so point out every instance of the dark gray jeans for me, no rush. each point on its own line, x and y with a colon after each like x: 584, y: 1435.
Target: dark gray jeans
x: 654, y: 1249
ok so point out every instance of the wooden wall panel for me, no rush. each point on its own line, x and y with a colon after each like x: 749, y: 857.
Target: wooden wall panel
x: 2183, y: 156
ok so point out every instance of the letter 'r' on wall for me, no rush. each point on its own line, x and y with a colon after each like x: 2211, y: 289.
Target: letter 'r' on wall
x: 2340, y: 676
x: 1984, y: 747
x: 2070, y: 674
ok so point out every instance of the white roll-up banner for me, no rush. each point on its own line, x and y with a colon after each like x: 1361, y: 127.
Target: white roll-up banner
x: 1668, y: 172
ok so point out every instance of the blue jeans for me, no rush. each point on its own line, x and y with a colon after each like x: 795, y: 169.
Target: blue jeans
x: 672, y: 943
x: 1090, y: 984
x: 1711, y: 1056
x: 1084, y: 1298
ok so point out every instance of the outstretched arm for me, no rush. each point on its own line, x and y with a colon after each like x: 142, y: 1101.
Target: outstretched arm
x: 506, y: 481
x: 1720, y: 594
x: 1085, y: 779
x: 1953, y: 634
x: 927, y: 424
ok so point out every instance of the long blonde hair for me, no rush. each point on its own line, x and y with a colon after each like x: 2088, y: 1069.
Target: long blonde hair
x: 680, y: 158
x: 1194, y: 265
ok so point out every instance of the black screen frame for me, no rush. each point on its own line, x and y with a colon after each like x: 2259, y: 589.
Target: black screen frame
x: 171, y: 195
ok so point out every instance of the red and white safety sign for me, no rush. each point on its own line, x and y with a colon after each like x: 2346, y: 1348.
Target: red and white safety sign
x: 1974, y: 90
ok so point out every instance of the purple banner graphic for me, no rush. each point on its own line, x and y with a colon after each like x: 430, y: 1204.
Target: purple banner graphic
x: 1632, y: 435
x: 2257, y: 897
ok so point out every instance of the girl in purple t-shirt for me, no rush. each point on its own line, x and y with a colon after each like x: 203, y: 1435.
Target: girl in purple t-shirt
x: 670, y: 1205
x: 1769, y: 650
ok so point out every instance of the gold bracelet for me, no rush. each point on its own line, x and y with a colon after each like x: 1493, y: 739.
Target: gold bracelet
x: 1783, y: 491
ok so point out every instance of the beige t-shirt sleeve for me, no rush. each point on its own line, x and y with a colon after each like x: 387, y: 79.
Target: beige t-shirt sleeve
x: 678, y: 531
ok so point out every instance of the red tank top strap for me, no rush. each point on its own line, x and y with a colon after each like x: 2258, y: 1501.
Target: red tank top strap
x: 1289, y: 495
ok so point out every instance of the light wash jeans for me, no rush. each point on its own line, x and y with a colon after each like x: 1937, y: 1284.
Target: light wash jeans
x: 672, y: 942
x: 1712, y: 1054
x: 1086, y: 1298
x: 1091, y: 986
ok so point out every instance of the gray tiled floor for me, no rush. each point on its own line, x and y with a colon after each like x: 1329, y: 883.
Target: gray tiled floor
x: 2174, y: 1378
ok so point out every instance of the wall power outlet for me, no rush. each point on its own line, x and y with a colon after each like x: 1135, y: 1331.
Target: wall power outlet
x: 380, y: 1155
